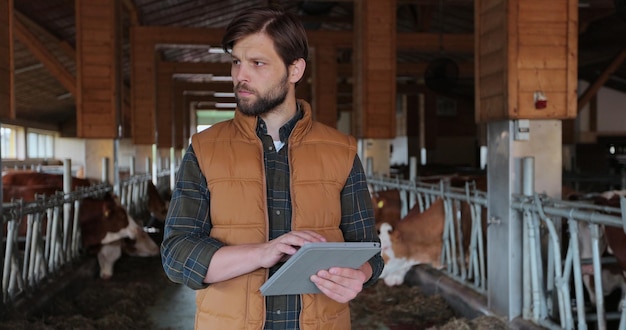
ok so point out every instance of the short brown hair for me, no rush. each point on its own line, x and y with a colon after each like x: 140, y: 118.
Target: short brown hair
x: 284, y: 28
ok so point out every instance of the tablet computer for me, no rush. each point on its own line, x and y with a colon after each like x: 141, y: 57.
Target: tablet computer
x: 293, y: 277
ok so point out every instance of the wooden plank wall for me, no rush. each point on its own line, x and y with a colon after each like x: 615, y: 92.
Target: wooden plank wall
x: 522, y: 47
x: 375, y: 69
x: 7, y: 96
x: 98, y: 68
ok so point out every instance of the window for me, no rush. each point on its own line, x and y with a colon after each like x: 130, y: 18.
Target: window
x: 8, y: 142
x: 39, y: 144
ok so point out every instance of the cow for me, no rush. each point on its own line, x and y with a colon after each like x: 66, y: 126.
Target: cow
x: 610, y: 242
x: 416, y: 239
x: 611, y: 275
x: 106, y: 227
x: 30, y: 178
x: 157, y: 206
x: 387, y: 206
x: 615, y: 241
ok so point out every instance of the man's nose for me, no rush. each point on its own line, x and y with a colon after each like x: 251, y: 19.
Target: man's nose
x: 240, y: 73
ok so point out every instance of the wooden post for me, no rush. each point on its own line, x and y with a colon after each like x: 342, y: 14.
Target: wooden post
x: 524, y: 47
x: 98, y: 68
x: 164, y: 115
x: 7, y: 84
x: 324, y: 99
x: 374, y: 69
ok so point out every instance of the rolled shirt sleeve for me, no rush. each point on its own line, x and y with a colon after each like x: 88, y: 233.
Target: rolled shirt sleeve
x: 187, y: 249
x: 357, y: 222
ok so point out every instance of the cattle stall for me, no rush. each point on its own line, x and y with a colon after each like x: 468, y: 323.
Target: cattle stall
x: 51, y: 240
x: 42, y: 237
x: 556, y: 260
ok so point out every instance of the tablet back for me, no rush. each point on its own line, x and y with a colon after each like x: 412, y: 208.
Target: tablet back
x: 293, y: 277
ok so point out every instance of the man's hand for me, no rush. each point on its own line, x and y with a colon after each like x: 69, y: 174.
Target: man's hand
x: 250, y: 257
x: 286, y: 245
x: 342, y: 284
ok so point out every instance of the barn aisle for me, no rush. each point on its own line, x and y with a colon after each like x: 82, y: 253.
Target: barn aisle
x: 174, y: 308
x: 140, y: 296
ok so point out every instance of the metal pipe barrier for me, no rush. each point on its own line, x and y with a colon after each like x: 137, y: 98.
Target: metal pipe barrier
x: 37, y: 252
x: 43, y: 236
x: 134, y: 194
x: 549, y: 272
x: 465, y: 266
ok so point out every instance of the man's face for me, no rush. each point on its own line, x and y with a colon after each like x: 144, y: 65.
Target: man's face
x: 259, y: 75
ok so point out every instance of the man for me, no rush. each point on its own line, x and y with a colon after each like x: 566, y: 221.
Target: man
x: 251, y: 190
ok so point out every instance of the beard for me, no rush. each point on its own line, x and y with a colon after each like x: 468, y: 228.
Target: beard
x: 265, y: 103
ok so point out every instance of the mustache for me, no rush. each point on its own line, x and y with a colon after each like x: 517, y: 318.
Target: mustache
x: 243, y: 87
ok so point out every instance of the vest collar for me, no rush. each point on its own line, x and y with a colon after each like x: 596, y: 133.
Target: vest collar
x: 247, y: 124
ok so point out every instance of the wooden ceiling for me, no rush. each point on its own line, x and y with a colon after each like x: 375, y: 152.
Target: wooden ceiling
x: 45, y: 29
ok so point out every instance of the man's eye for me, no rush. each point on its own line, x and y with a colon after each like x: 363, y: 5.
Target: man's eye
x: 257, y: 63
x: 236, y: 62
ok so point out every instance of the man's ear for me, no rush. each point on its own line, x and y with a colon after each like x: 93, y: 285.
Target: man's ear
x: 296, y: 70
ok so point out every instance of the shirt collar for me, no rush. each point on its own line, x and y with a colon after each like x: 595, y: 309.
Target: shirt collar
x: 285, y: 130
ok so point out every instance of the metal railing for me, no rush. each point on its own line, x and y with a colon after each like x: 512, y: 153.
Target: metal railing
x: 41, y: 237
x: 552, y: 260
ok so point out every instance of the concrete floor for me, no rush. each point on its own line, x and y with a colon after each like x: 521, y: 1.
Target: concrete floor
x: 174, y: 309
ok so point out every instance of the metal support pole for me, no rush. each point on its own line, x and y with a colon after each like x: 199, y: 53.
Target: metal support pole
x: 172, y: 168
x: 155, y: 164
x: 116, y: 168
x: 67, y: 207
x: 105, y: 169
x: 131, y: 171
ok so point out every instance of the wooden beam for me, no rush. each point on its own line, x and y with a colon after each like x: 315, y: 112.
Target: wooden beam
x: 98, y: 69
x: 374, y: 77
x: 132, y: 11
x: 217, y: 69
x: 466, y: 69
x: 145, y: 39
x: 524, y: 47
x: 46, y: 57
x: 7, y: 83
x: 165, y: 123
x: 324, y: 100
x: 31, y: 25
x: 223, y: 87
x: 171, y: 97
x: 593, y: 89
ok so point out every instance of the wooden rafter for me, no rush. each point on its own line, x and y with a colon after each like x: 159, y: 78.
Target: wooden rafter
x: 592, y: 90
x: 64, y: 45
x: 39, y: 50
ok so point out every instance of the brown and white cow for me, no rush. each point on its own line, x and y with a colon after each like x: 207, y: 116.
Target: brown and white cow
x: 157, y: 206
x: 387, y: 206
x: 615, y: 242
x: 611, y: 241
x: 416, y: 239
x: 106, y: 227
